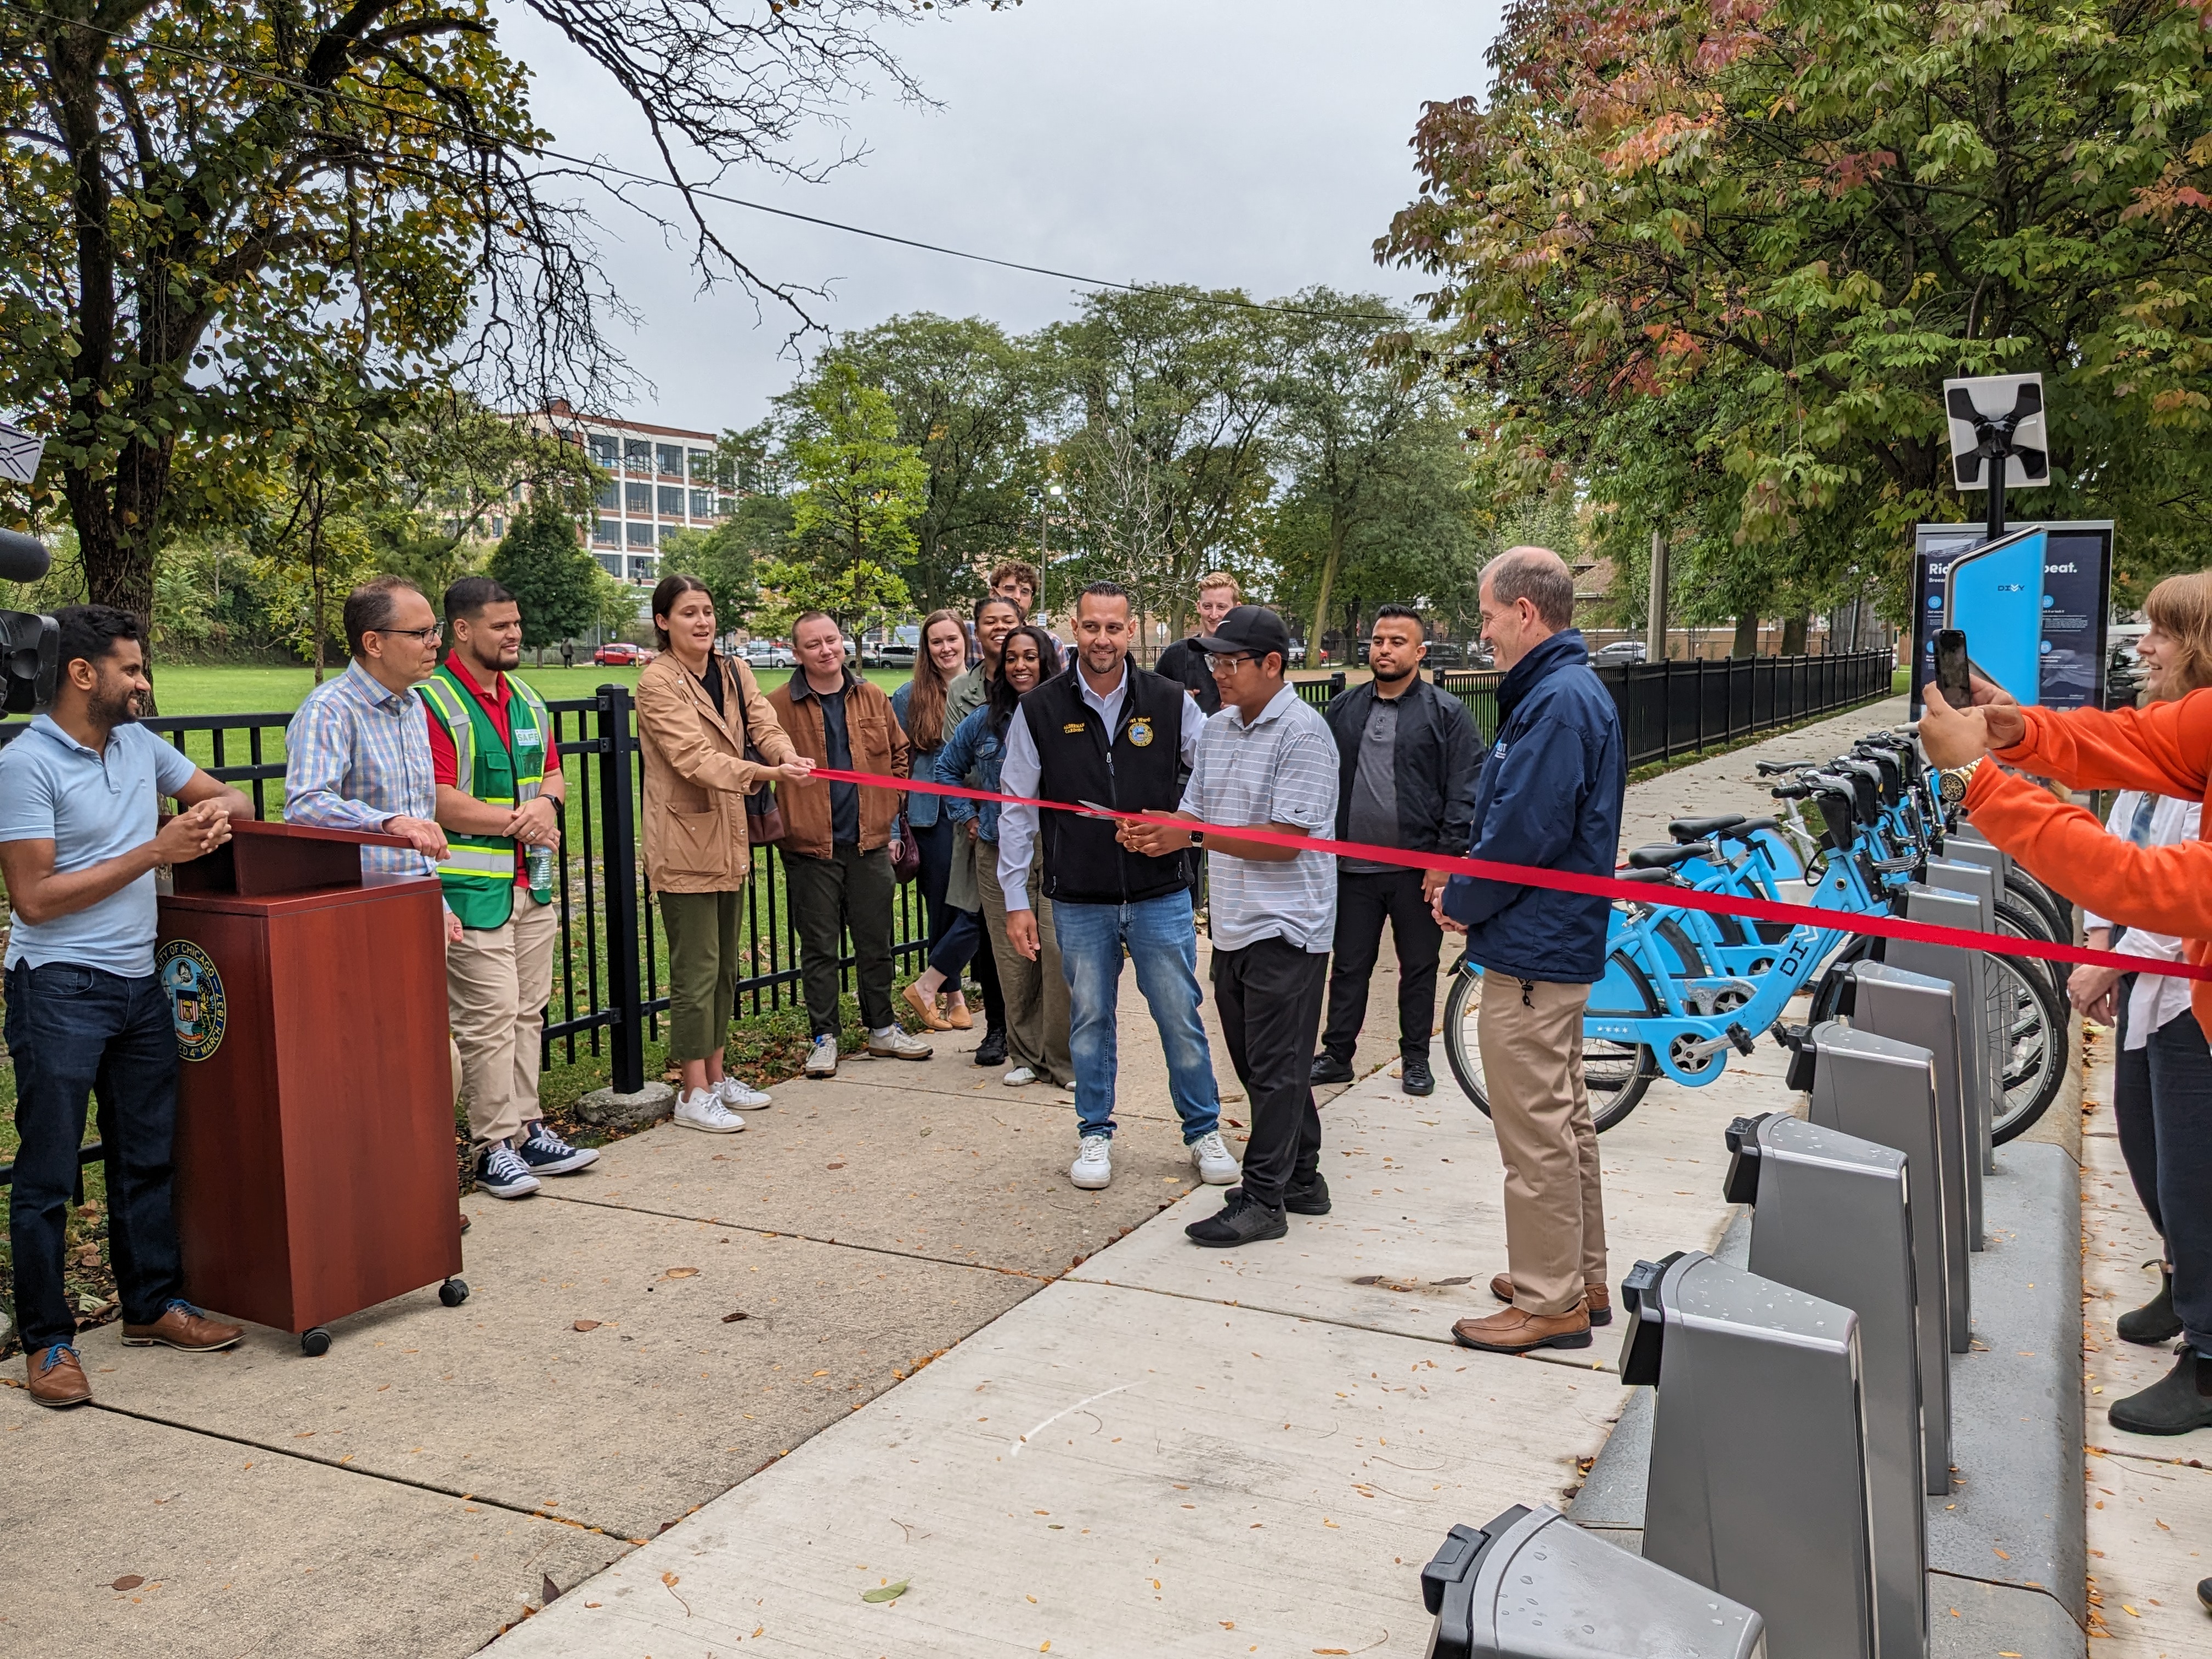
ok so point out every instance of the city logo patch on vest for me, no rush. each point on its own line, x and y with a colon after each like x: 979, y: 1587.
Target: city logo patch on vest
x: 1140, y: 734
x: 196, y: 999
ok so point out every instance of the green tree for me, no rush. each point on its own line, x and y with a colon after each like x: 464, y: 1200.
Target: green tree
x: 859, y: 489
x: 209, y: 206
x: 861, y: 595
x: 724, y: 557
x: 1791, y: 221
x: 542, y: 562
x: 965, y: 396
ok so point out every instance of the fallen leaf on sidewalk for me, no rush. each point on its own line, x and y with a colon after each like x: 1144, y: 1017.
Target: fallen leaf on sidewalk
x: 732, y: 1318
x: 832, y: 1166
x: 129, y: 1581
x: 549, y: 1591
x: 682, y: 1273
x: 886, y: 1592
x: 587, y: 1324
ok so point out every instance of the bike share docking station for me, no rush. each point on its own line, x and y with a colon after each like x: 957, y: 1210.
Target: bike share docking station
x: 1533, y: 1585
x: 1833, y: 1216
x: 1981, y: 1064
x: 1922, y: 1010
x: 1883, y: 1090
x: 1758, y: 1484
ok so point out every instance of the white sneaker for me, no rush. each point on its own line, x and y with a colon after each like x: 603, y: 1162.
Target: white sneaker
x: 703, y: 1108
x: 1020, y: 1077
x: 893, y: 1042
x: 822, y: 1059
x: 1094, y: 1164
x: 734, y: 1094
x: 1216, y: 1164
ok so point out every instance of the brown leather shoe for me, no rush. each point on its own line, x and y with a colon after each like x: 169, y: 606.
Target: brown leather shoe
x: 183, y: 1326
x: 1513, y: 1331
x: 1597, y: 1297
x: 56, y: 1377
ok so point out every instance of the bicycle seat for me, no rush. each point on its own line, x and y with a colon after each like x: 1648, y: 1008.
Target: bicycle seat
x: 1650, y: 878
x: 1666, y: 858
x: 1699, y: 829
x: 1775, y: 769
x: 1744, y: 829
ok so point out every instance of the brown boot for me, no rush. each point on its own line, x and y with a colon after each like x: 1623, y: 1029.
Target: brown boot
x: 56, y: 1377
x: 183, y: 1326
x: 1599, y: 1299
x: 1513, y: 1331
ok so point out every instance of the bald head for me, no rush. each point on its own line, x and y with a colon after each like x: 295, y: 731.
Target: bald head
x: 1528, y: 596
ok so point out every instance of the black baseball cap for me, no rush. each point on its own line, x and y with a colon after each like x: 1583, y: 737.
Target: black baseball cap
x: 1252, y: 627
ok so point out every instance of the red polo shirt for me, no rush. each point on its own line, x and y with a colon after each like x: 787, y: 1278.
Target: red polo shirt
x: 445, y: 760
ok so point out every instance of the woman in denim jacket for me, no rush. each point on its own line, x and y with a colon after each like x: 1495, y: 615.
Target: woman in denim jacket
x: 1035, y: 992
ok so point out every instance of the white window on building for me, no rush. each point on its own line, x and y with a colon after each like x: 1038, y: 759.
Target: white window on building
x: 703, y: 503
x: 640, y: 535
x: 607, y: 533
x: 668, y: 532
x: 702, y: 467
x: 672, y: 460
x: 672, y: 502
x: 637, y: 500
x: 637, y: 455
x: 609, y: 496
x: 605, y: 451
x: 610, y: 562
x: 642, y: 570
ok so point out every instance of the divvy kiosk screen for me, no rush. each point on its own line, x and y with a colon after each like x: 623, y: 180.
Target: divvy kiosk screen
x: 2077, y: 583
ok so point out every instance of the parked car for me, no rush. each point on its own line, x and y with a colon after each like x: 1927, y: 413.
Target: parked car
x: 1619, y: 651
x: 618, y: 654
x: 769, y: 654
x: 904, y: 645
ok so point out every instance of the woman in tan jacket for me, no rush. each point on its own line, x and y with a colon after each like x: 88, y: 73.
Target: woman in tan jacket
x: 695, y: 709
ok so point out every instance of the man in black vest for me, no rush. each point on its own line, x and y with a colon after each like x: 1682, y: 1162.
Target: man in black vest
x: 1110, y: 734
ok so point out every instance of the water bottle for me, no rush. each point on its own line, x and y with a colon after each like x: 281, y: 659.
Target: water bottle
x: 538, y: 860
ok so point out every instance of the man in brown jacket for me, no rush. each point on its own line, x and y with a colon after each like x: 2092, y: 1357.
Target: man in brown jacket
x: 837, y: 845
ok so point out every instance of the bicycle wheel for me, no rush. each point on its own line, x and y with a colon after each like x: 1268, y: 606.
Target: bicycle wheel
x: 2038, y: 1045
x: 2023, y: 921
x: 1616, y: 1074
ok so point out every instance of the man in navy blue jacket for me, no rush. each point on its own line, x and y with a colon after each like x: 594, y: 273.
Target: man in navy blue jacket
x: 1550, y: 795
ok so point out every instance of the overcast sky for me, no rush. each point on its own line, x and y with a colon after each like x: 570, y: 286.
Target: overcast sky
x: 1251, y: 143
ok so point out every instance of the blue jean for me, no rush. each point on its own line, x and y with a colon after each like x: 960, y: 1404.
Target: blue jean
x: 74, y: 1031
x: 1163, y: 941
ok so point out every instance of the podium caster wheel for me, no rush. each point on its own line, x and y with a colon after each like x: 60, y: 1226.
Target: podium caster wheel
x: 454, y: 1292
x: 315, y: 1343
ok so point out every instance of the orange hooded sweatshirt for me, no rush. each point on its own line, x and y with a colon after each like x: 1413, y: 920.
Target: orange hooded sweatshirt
x: 2165, y: 749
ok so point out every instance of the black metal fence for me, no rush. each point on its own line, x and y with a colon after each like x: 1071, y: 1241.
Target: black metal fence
x: 1685, y: 706
x: 610, y: 973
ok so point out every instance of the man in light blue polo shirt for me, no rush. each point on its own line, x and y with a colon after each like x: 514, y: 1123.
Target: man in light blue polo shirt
x: 80, y: 838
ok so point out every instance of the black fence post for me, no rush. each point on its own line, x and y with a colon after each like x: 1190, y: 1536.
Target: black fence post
x: 618, y: 850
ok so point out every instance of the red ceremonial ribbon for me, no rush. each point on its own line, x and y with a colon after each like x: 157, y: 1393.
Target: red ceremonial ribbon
x: 1609, y: 887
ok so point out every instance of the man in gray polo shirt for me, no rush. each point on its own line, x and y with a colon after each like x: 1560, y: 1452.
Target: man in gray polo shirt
x: 79, y: 842
x: 1265, y: 762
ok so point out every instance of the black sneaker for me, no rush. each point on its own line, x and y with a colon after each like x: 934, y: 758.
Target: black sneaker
x: 1240, y: 1221
x: 1419, y: 1079
x: 502, y: 1172
x: 1327, y: 1068
x: 2178, y: 1402
x: 992, y: 1049
x: 2155, y: 1322
x: 1300, y: 1197
x: 546, y: 1154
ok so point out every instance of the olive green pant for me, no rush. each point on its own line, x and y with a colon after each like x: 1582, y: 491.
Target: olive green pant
x: 703, y: 970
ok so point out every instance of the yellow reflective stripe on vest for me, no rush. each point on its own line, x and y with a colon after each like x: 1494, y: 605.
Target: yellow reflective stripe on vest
x: 460, y: 860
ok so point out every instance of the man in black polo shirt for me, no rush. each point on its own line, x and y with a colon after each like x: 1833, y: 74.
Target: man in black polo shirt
x: 1184, y: 660
x: 1110, y: 733
x: 1410, y: 755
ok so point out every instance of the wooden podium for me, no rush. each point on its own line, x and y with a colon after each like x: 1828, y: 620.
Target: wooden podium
x: 315, y: 1166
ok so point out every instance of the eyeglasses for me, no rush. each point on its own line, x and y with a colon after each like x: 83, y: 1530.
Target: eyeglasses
x: 1222, y: 664
x: 421, y: 636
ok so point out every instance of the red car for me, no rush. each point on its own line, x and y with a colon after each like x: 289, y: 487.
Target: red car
x: 619, y: 654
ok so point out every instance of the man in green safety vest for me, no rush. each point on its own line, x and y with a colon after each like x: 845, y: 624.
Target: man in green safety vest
x: 500, y: 797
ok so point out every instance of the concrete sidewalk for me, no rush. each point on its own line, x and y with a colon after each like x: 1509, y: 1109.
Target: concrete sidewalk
x: 907, y: 1260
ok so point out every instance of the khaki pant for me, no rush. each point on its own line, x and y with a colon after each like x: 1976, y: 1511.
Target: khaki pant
x: 1531, y: 1033
x: 1036, y: 992
x: 498, y: 981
